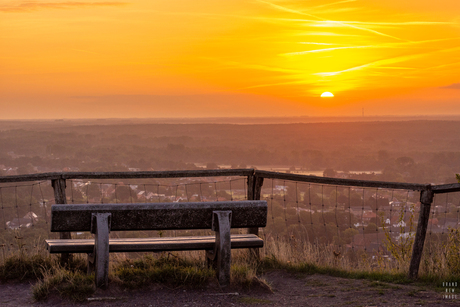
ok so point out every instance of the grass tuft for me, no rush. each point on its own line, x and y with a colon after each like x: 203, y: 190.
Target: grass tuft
x: 76, y: 286
x: 173, y: 271
x: 23, y: 267
x: 243, y: 276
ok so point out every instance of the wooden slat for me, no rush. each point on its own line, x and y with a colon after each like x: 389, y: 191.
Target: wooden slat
x: 152, y: 244
x: 158, y: 174
x: 346, y: 182
x: 158, y: 216
x: 30, y: 177
x: 226, y: 172
x: 127, y: 175
x: 446, y: 188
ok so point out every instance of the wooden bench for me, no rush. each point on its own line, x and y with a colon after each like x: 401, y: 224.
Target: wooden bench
x: 100, y: 219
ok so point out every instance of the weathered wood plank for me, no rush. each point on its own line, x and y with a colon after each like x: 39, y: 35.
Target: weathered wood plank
x: 426, y: 198
x: 347, y: 182
x: 446, y: 188
x: 30, y: 177
x: 158, y: 174
x: 158, y: 216
x: 123, y: 245
x: 250, y: 195
x: 227, y: 172
x: 127, y: 175
x: 59, y: 186
x: 256, y: 190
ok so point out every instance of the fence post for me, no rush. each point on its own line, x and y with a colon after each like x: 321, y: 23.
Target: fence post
x: 254, y: 189
x: 426, y: 198
x: 60, y: 198
x: 251, y: 187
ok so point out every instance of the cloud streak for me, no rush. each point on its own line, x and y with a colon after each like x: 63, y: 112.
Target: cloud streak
x: 455, y: 86
x: 332, y: 22
x: 29, y: 6
x: 384, y: 62
x: 333, y: 3
x: 377, y: 46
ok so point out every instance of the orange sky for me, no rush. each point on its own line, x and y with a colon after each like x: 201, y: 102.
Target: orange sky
x: 200, y: 58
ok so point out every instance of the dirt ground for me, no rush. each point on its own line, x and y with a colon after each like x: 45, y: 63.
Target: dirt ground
x: 286, y: 290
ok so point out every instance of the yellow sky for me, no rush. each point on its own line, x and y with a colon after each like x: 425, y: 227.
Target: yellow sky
x: 171, y: 58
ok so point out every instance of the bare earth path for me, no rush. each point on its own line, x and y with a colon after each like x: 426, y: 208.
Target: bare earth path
x: 288, y: 290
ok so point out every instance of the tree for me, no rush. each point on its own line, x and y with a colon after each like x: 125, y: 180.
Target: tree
x: 212, y: 165
x: 383, y: 155
x: 329, y: 172
x: 25, y: 169
x: 92, y: 190
x: 405, y: 162
x: 348, y: 234
x: 371, y: 228
x: 342, y: 199
x: 123, y: 193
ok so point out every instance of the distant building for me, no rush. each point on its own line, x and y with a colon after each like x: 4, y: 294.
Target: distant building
x: 368, y: 241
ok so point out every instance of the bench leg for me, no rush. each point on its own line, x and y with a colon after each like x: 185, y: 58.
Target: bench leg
x: 210, y: 259
x: 221, y: 222
x: 90, y: 263
x: 100, y: 226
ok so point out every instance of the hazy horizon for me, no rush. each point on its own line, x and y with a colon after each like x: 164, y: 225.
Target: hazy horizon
x: 243, y: 120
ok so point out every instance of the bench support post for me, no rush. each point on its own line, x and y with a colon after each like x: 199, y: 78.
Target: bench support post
x: 59, y: 186
x: 99, y: 259
x: 221, y: 256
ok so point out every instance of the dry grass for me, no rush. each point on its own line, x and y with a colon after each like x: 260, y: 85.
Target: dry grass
x: 75, y: 285
x: 168, y: 269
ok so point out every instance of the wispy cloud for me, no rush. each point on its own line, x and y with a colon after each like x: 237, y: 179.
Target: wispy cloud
x: 376, y: 46
x: 332, y: 22
x: 333, y: 3
x: 29, y: 6
x: 302, y: 81
x: 455, y: 86
x: 403, y: 23
x: 441, y: 66
x: 336, y: 10
x: 234, y: 64
x: 313, y: 43
x: 323, y: 34
x: 385, y: 62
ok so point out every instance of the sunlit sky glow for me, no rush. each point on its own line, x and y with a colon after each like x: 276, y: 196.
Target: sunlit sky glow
x: 171, y: 58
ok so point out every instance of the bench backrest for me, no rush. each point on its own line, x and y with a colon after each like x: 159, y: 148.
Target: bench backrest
x: 158, y: 216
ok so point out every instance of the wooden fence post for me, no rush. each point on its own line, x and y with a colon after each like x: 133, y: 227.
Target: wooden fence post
x: 251, y: 187
x: 426, y: 198
x: 254, y: 190
x: 60, y: 198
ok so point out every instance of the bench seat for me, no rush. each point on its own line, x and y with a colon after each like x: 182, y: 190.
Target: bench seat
x: 152, y: 244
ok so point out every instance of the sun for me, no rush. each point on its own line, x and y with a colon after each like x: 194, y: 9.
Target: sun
x: 327, y: 94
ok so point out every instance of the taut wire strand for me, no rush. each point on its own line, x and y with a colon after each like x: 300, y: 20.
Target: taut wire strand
x: 30, y: 205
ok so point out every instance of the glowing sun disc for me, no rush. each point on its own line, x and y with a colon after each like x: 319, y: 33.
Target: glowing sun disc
x: 327, y: 94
